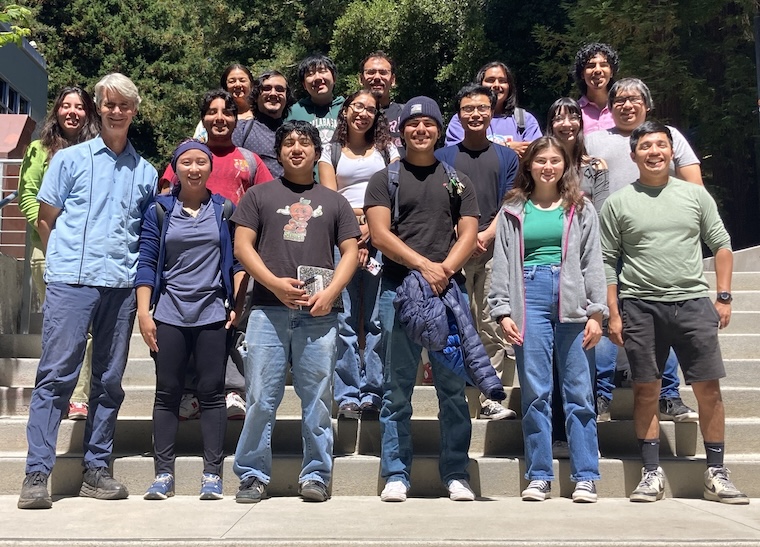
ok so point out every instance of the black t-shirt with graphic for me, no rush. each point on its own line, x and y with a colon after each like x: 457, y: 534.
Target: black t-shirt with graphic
x: 427, y: 212
x: 295, y: 225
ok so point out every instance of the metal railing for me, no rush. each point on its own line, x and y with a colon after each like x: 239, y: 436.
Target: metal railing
x: 9, y: 169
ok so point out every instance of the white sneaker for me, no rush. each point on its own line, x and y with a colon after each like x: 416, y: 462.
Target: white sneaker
x: 585, y: 492
x: 492, y: 410
x: 394, y: 491
x: 235, y: 406
x: 189, y: 407
x: 459, y: 490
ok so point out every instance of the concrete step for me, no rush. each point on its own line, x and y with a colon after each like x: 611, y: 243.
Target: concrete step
x: 490, y: 438
x: 743, y: 322
x: 739, y: 346
x: 740, y: 281
x: 360, y: 476
x: 741, y: 373
x: 745, y: 300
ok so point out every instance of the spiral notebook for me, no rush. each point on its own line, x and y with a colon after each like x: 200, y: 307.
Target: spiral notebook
x: 317, y: 279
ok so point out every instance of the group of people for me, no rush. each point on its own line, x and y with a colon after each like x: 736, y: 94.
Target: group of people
x: 342, y: 240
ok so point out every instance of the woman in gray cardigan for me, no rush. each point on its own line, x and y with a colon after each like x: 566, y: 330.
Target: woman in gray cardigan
x: 548, y: 293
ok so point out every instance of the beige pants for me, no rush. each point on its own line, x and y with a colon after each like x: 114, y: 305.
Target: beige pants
x: 82, y: 390
x: 477, y: 272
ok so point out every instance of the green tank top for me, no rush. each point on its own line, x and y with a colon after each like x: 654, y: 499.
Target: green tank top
x: 542, y: 235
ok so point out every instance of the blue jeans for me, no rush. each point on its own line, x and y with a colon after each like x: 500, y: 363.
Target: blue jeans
x: 402, y: 357
x: 68, y: 312
x: 543, y: 334
x: 276, y: 336
x: 355, y: 383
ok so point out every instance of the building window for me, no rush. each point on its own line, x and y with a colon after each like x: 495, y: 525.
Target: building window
x: 12, y: 102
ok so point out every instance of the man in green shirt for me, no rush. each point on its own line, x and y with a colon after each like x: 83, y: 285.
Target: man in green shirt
x: 655, y: 225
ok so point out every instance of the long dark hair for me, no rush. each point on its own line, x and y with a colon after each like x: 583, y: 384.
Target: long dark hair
x: 51, y: 134
x: 565, y: 106
x: 378, y: 134
x: 510, y: 103
x: 230, y: 68
x: 567, y: 186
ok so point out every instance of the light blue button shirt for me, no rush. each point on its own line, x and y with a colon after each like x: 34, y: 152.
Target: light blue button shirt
x: 102, y: 198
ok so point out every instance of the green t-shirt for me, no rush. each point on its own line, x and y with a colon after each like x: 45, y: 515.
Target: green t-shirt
x: 657, y: 233
x: 542, y: 235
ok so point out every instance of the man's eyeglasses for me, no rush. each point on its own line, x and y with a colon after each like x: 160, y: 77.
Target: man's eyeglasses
x: 481, y: 108
x: 266, y: 88
x: 380, y: 71
x: 634, y: 100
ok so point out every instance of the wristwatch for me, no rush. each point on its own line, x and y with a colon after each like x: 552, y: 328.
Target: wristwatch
x: 724, y: 297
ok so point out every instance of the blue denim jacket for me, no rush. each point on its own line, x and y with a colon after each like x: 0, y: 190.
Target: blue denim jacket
x: 102, y: 198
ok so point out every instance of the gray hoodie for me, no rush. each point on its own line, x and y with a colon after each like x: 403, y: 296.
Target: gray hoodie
x: 582, y: 285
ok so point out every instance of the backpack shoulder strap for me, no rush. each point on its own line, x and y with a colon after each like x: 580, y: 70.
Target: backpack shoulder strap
x: 335, y: 151
x: 519, y: 116
x: 393, y: 171
x: 251, y: 159
x: 160, y: 216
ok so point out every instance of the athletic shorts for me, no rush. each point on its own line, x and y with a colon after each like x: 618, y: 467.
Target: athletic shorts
x: 690, y: 327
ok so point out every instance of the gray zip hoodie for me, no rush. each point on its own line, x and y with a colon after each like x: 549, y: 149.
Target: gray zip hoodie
x: 582, y: 285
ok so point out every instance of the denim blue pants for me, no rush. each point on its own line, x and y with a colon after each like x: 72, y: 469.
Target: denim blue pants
x: 68, y: 312
x: 276, y: 336
x: 543, y: 334
x: 402, y: 357
x: 359, y: 374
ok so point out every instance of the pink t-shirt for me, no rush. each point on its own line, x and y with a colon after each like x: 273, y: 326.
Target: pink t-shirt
x: 231, y: 175
x: 595, y: 119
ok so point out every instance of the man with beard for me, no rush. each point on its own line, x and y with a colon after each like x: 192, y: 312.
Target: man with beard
x: 378, y: 75
x: 272, y: 99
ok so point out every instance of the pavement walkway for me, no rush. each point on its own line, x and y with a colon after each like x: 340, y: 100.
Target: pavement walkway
x: 287, y: 521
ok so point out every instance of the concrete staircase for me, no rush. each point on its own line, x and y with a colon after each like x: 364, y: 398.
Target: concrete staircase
x: 496, y: 466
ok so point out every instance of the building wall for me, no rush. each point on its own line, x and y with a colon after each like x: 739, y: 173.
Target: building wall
x: 23, y: 71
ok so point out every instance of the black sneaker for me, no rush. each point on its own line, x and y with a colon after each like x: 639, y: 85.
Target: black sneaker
x: 99, y: 484
x: 34, y: 492
x: 602, y: 409
x: 369, y: 411
x: 674, y: 409
x: 251, y: 490
x: 313, y: 491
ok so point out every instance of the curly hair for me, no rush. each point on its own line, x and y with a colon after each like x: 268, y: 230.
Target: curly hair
x: 378, y: 134
x: 587, y: 52
x: 51, y: 134
x: 568, y: 185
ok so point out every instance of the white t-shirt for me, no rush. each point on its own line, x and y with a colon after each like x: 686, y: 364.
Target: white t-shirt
x: 353, y: 174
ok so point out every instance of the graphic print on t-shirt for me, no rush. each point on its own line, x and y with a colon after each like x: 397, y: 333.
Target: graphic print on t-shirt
x: 300, y: 213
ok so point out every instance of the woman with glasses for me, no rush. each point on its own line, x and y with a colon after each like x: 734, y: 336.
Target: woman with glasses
x: 360, y: 147
x: 73, y: 119
x: 511, y: 125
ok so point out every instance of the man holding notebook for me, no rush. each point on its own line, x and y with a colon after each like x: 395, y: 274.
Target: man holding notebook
x: 289, y: 224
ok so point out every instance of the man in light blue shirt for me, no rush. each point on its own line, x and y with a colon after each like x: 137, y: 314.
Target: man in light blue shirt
x: 92, y: 200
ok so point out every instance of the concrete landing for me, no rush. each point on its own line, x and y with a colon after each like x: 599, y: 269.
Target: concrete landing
x: 287, y: 521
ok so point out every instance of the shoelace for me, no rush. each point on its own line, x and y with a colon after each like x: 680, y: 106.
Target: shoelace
x: 649, y: 478
x: 721, y: 475
x: 38, y: 478
x: 588, y: 486
x: 538, y: 485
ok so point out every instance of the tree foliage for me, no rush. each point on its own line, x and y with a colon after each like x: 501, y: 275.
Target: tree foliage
x: 696, y: 55
x: 11, y: 15
x: 697, y: 58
